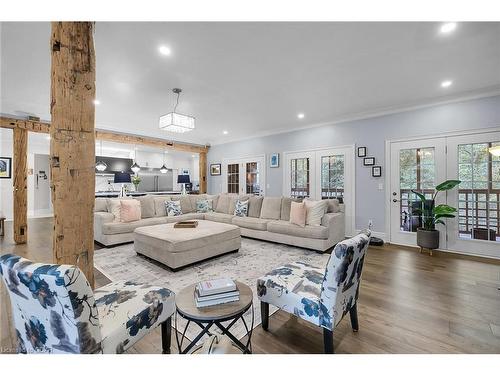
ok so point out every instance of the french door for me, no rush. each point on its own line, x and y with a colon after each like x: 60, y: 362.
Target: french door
x: 414, y: 166
x: 322, y: 174
x: 244, y: 176
x: 476, y: 229
x: 422, y: 164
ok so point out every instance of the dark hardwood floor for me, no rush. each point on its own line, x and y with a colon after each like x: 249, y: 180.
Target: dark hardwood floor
x: 409, y: 303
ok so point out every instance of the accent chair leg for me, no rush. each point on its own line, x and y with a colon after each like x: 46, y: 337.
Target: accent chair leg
x: 328, y: 341
x: 166, y: 335
x: 353, y: 313
x: 264, y: 314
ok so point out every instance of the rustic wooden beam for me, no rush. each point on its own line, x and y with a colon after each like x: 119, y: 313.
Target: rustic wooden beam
x: 106, y: 135
x: 20, y: 185
x: 72, y: 144
x: 32, y: 126
x: 203, y: 173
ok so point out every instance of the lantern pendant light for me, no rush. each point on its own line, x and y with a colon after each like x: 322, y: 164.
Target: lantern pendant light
x: 100, y: 165
x: 135, y: 167
x: 163, y: 168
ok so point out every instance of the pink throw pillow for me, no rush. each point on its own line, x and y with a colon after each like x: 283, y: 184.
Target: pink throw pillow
x: 130, y: 210
x: 298, y: 214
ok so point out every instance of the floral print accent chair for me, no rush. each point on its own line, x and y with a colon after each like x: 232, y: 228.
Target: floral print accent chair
x: 55, y: 310
x: 320, y: 296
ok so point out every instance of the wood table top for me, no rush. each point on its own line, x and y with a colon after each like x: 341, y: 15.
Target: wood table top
x: 186, y: 305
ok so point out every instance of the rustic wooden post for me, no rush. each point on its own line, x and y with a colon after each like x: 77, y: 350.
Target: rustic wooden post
x: 20, y: 186
x: 203, y: 172
x: 72, y: 144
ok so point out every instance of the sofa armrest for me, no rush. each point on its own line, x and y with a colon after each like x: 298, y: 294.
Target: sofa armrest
x: 335, y: 222
x: 101, y: 218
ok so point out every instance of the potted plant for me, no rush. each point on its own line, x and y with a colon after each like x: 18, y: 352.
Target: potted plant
x: 136, y: 180
x: 427, y: 234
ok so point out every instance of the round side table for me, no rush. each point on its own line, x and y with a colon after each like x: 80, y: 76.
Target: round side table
x: 206, y: 317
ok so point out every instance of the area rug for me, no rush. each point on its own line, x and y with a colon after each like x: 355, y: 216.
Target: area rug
x: 254, y: 259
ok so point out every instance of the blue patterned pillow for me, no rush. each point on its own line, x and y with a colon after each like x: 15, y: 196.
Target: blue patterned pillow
x: 241, y: 208
x: 204, y: 205
x: 173, y: 208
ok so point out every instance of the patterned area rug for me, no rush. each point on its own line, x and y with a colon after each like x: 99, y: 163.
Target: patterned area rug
x: 254, y: 259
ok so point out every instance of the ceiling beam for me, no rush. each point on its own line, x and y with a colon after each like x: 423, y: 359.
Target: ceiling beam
x: 106, y: 135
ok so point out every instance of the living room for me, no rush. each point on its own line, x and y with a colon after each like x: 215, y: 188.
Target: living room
x: 265, y: 187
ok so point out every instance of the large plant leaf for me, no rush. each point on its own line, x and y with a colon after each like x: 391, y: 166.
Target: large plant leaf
x: 447, y: 185
x: 444, y: 209
x: 448, y: 216
x: 440, y: 222
x: 420, y: 195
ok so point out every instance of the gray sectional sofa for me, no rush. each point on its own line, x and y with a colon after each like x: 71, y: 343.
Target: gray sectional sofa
x: 268, y: 219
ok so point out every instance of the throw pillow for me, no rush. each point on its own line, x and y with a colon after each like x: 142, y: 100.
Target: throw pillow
x: 130, y: 210
x: 241, y: 208
x: 173, y: 208
x: 114, y: 206
x: 204, y: 205
x: 147, y: 206
x: 315, y: 211
x: 333, y: 205
x: 298, y: 213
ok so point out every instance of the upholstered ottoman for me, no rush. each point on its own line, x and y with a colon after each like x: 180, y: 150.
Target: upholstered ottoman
x: 179, y: 247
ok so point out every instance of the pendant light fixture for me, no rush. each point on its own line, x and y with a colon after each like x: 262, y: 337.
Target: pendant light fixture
x: 176, y: 122
x: 163, y: 168
x: 135, y: 167
x: 100, y: 165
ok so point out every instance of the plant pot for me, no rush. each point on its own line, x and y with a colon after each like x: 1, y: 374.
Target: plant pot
x: 428, y: 239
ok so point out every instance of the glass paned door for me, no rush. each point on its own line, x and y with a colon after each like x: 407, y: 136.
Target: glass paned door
x: 332, y: 177
x: 233, y: 178
x: 252, y: 182
x: 476, y: 229
x: 300, y: 178
x: 415, y: 166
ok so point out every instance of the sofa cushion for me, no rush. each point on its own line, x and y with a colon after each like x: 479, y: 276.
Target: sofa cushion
x: 315, y: 211
x: 333, y: 205
x: 173, y: 208
x: 254, y: 206
x: 298, y: 214
x: 309, y: 231
x: 119, y: 228
x: 185, y: 201
x: 271, y: 208
x: 204, y: 205
x: 223, y: 204
x: 147, y: 206
x: 219, y: 217
x: 241, y: 208
x: 286, y: 204
x: 251, y: 222
x: 101, y: 205
x: 160, y: 208
x: 130, y: 210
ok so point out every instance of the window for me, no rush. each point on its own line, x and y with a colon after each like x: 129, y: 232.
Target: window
x: 299, y: 177
x: 332, y: 177
x: 478, y: 194
x: 233, y: 178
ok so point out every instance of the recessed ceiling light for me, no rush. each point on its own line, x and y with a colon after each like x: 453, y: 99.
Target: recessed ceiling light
x: 448, y: 27
x: 301, y: 115
x: 96, y: 102
x: 164, y: 50
x: 446, y: 83
x: 225, y: 132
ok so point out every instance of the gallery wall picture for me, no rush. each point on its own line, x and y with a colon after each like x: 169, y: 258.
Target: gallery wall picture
x: 377, y: 171
x: 5, y: 167
x: 215, y: 170
x: 369, y: 161
x: 274, y: 160
x: 361, y: 152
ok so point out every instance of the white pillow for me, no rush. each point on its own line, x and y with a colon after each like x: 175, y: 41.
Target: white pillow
x: 241, y: 208
x: 315, y: 210
x: 114, y: 206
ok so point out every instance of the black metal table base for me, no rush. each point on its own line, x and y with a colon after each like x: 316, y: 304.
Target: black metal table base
x: 205, y: 330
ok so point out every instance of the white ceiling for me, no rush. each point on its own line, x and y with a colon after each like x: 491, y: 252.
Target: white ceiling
x: 254, y: 78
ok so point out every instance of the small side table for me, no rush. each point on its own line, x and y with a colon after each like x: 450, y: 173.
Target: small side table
x: 206, y: 317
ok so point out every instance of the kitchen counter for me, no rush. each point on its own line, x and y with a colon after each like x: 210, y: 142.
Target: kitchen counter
x: 112, y: 194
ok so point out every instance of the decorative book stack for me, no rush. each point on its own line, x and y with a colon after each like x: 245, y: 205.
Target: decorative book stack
x: 216, y: 292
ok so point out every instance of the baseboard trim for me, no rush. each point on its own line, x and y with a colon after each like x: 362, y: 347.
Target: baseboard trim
x: 380, y: 235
